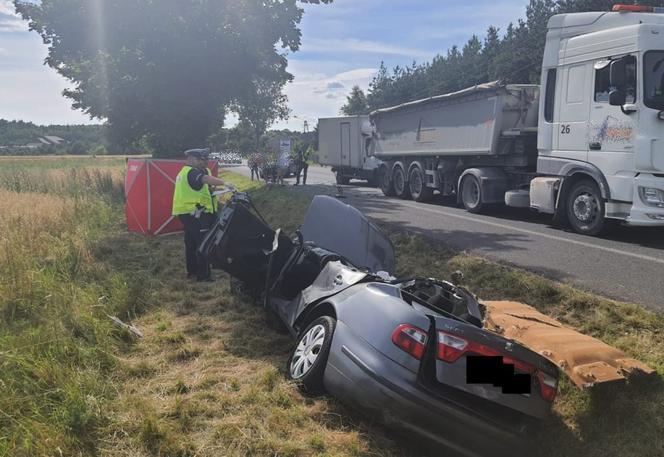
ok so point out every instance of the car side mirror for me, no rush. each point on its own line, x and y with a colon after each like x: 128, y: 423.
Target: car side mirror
x: 617, y: 97
x: 618, y: 73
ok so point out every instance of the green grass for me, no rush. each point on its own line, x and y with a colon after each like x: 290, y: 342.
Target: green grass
x: 208, y: 378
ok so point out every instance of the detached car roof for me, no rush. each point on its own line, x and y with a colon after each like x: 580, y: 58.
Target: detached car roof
x: 584, y: 359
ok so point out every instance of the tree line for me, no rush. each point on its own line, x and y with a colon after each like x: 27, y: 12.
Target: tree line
x: 78, y: 139
x: 512, y: 56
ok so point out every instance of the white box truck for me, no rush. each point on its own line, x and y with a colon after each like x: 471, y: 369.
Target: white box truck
x: 343, y: 144
x: 586, y: 147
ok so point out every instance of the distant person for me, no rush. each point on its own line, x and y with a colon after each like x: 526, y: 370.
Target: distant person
x: 195, y: 206
x: 302, y: 163
x: 255, y: 161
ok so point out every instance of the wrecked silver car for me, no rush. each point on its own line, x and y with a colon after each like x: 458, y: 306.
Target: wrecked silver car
x: 423, y: 354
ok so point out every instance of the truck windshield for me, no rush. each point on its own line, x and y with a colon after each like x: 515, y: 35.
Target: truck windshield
x: 653, y: 79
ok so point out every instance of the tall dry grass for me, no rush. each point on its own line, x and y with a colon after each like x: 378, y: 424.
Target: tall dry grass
x: 72, y: 182
x: 56, y: 343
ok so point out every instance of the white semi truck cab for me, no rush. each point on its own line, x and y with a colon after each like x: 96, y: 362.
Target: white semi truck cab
x: 587, y: 146
x: 600, y: 134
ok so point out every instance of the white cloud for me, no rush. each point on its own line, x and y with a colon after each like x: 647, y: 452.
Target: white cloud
x: 9, y: 20
x: 309, y: 95
x: 352, y: 45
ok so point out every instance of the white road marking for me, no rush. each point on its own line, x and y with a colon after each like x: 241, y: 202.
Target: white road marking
x: 533, y: 232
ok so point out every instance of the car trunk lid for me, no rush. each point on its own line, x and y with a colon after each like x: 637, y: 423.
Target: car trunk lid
x: 486, y: 365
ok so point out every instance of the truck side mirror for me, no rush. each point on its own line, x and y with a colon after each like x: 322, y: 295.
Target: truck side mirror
x: 618, y: 73
x: 617, y: 97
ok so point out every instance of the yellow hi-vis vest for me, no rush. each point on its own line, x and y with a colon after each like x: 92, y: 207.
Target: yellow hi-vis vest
x: 186, y: 200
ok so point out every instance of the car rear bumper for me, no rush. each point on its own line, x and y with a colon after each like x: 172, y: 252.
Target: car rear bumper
x: 364, y: 378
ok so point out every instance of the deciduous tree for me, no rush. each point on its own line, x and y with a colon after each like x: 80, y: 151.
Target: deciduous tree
x: 164, y: 70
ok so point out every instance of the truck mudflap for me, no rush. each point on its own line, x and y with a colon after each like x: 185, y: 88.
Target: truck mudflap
x: 584, y: 359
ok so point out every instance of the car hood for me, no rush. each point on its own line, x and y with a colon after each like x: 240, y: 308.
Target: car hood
x: 340, y: 228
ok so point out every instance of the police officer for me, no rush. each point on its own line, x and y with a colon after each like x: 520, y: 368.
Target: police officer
x: 195, y: 206
x: 302, y: 157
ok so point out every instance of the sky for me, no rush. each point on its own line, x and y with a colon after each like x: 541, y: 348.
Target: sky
x: 343, y: 44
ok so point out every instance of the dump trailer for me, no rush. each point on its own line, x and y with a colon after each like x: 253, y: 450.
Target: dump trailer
x: 586, y: 147
x: 343, y: 144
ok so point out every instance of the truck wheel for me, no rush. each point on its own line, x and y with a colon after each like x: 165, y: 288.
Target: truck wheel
x: 471, y: 194
x: 341, y: 179
x: 309, y: 358
x: 385, y: 182
x: 400, y: 183
x: 417, y: 184
x: 585, y: 208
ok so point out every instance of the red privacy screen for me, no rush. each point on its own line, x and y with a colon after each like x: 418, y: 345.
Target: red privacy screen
x: 149, y: 185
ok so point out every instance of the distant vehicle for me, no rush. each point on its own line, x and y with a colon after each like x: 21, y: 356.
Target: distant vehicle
x: 404, y: 349
x: 588, y: 148
x: 343, y: 144
x: 227, y: 158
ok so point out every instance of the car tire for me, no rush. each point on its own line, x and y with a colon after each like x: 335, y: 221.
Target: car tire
x: 308, y: 360
x: 341, y: 179
x: 585, y: 208
x: 417, y: 185
x: 385, y: 181
x: 400, y: 181
x: 471, y: 194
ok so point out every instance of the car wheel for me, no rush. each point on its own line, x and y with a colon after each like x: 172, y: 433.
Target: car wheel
x: 417, y: 184
x: 471, y: 194
x: 585, y: 208
x: 309, y: 357
x: 400, y: 183
x: 341, y: 179
x: 385, y: 182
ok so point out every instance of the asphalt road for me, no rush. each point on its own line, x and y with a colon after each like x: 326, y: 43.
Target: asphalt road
x: 626, y: 265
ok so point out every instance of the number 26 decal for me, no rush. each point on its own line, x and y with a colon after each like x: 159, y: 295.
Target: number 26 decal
x: 564, y: 129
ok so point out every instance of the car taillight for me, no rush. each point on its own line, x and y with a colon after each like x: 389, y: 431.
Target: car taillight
x: 451, y: 347
x: 410, y: 339
x: 548, y: 386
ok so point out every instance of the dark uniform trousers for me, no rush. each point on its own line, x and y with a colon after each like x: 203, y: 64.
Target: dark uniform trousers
x: 195, y: 230
x: 303, y: 166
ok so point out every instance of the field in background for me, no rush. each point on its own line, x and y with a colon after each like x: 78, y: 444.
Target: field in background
x: 60, y: 161
x: 208, y: 378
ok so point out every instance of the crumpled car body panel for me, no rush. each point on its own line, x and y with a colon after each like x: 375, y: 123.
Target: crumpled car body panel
x: 584, y: 359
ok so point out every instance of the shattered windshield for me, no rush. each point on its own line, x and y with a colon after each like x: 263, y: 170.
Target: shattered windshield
x: 653, y: 79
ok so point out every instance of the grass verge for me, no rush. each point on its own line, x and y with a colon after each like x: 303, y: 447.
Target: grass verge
x: 208, y: 379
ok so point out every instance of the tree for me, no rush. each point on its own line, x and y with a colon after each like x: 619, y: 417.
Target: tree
x: 356, y: 103
x: 262, y: 105
x: 241, y: 139
x: 515, y: 57
x: 164, y: 70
